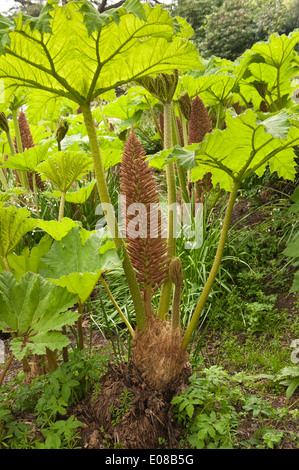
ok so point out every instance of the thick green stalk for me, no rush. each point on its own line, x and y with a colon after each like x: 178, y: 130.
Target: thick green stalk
x: 61, y: 206
x: 185, y: 126
x: 110, y: 216
x: 166, y: 290
x: 10, y: 143
x: 217, y: 261
x: 180, y: 170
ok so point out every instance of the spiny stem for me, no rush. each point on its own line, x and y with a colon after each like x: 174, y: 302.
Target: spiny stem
x: 180, y: 169
x: 10, y: 143
x: 217, y: 261
x: 61, y: 207
x: 165, y: 297
x: 110, y: 216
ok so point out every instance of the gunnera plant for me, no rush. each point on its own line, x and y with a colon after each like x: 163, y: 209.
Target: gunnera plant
x: 155, y: 350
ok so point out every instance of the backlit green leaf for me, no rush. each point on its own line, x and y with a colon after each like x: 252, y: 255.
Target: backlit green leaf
x: 29, y: 159
x: 76, y: 197
x: 73, y: 52
x: 14, y: 224
x: 259, y: 143
x: 55, y: 229
x: 65, y: 167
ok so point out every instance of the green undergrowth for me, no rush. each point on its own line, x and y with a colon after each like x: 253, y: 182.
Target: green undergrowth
x: 244, y: 389
x: 46, y: 402
x: 215, y: 405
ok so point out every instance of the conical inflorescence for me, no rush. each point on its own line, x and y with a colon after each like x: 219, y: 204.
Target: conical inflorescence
x: 26, y: 136
x: 199, y: 122
x: 27, y: 143
x: 147, y: 246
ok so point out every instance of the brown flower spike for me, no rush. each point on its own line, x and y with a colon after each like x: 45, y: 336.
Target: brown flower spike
x: 27, y: 143
x: 147, y: 250
x: 199, y: 123
x: 26, y: 136
x: 199, y: 126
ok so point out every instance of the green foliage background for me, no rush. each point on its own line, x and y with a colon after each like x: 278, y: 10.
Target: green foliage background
x: 227, y: 28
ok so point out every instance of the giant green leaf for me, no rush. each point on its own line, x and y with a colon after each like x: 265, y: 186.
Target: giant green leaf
x: 55, y: 229
x: 63, y: 168
x: 213, y: 89
x: 184, y: 156
x: 29, y: 159
x: 258, y: 144
x: 14, y: 224
x: 77, y: 264
x: 271, y: 66
x: 35, y: 311
x: 278, y: 50
x: 76, y: 53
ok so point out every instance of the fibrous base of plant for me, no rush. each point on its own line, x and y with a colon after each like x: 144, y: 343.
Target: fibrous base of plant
x: 146, y: 420
x: 157, y: 353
